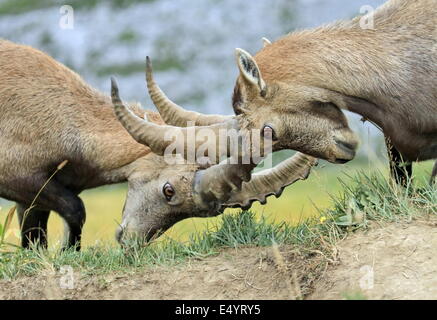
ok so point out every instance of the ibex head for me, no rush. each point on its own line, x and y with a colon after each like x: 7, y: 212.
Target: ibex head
x: 303, y: 118
x: 161, y: 194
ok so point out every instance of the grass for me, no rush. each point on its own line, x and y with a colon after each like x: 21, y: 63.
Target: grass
x: 370, y: 196
x: 378, y: 199
x: 235, y: 230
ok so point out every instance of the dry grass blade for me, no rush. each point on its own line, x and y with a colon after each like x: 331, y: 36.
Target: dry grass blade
x: 32, y: 205
x: 9, y: 217
x: 62, y: 164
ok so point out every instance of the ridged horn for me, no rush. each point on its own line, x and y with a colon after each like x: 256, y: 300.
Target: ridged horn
x: 271, y: 181
x: 154, y: 135
x: 172, y: 113
x: 217, y: 183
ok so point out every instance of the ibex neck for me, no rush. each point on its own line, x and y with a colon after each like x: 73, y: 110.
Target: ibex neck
x: 378, y: 64
x: 351, y: 62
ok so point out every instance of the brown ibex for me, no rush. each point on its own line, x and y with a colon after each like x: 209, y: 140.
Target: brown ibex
x: 48, y: 114
x: 297, y: 86
x: 387, y: 73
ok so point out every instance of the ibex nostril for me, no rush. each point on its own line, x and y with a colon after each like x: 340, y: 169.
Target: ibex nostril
x: 345, y: 151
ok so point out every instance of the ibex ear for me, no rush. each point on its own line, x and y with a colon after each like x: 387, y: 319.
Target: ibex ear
x: 266, y: 42
x: 249, y: 70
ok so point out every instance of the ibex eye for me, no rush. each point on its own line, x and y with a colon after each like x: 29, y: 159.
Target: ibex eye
x: 168, y: 191
x: 269, y: 133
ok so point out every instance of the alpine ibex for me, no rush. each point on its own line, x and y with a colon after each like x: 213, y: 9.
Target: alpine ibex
x: 48, y: 114
x: 299, y: 84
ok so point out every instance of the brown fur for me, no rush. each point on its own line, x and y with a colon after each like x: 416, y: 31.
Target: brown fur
x: 388, y: 75
x: 48, y: 114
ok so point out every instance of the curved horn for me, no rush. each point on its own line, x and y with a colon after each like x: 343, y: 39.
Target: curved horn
x: 271, y: 181
x: 171, y: 112
x: 216, y: 183
x: 266, y: 42
x: 159, y: 137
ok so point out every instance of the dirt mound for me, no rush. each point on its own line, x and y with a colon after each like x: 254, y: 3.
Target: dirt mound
x: 393, y: 261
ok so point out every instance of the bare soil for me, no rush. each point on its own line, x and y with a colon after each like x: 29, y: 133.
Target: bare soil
x: 394, y: 261
x: 389, y: 261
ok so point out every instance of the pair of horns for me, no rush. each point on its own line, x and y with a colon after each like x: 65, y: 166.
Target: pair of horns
x: 174, y: 114
x: 225, y: 184
x: 233, y: 185
x: 159, y: 138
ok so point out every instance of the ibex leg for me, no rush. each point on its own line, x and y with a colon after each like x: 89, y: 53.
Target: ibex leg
x: 400, y: 170
x: 33, y: 224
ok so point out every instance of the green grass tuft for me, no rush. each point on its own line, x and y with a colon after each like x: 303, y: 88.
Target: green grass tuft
x: 379, y: 199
